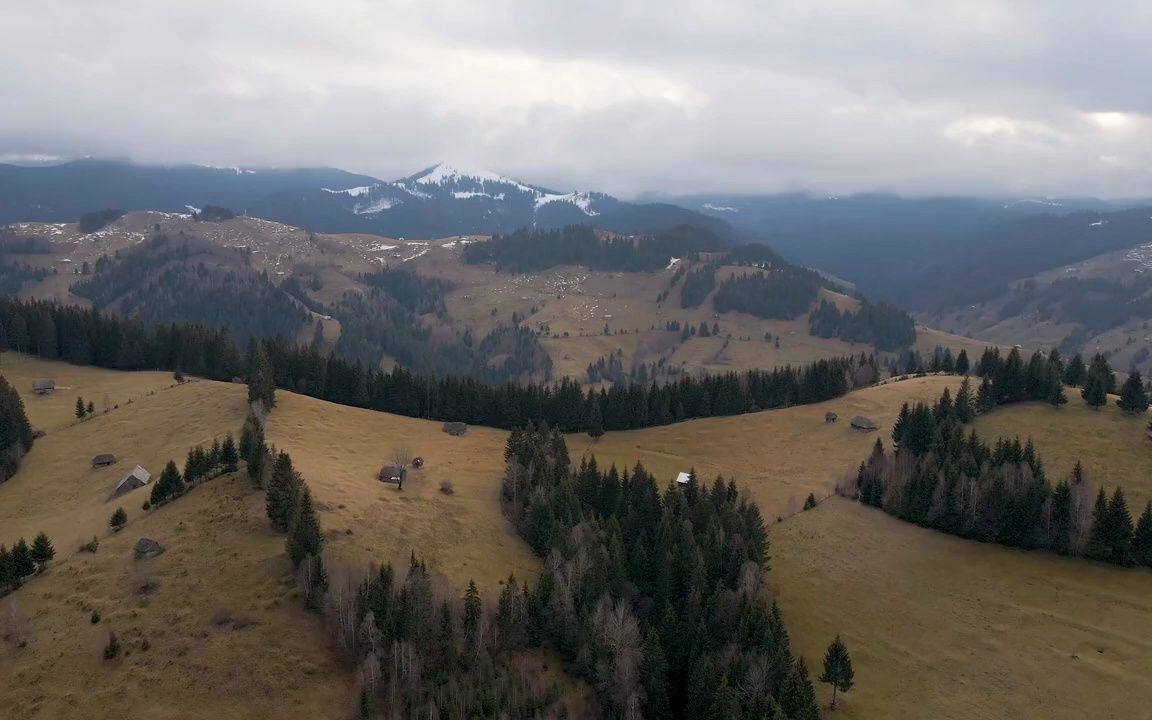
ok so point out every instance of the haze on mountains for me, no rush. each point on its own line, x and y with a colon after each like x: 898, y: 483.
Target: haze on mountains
x: 978, y: 98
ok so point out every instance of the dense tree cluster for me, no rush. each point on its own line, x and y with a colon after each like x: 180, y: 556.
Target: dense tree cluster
x: 941, y: 478
x: 22, y: 561
x: 210, y: 213
x: 529, y: 250
x: 1009, y: 380
x: 697, y: 284
x: 876, y: 323
x: 202, y: 464
x: 778, y: 294
x: 90, y: 222
x: 655, y: 597
x: 87, y: 337
x: 15, y: 431
x: 14, y: 275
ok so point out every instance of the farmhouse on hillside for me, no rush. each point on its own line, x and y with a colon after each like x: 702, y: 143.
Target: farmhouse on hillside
x: 683, y: 478
x: 146, y: 548
x: 862, y: 423
x: 43, y: 386
x: 455, y: 428
x: 139, y: 477
x: 830, y: 417
x: 103, y: 460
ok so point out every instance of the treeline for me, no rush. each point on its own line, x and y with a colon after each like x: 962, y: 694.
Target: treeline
x: 15, y: 432
x: 202, y: 464
x: 1008, y: 380
x: 938, y: 477
x: 529, y: 250
x: 876, y: 323
x: 87, y: 337
x: 697, y: 284
x: 780, y: 294
x: 655, y: 598
x: 90, y: 222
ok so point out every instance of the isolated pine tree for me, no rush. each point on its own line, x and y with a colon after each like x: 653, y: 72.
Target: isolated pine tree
x: 304, y: 535
x: 810, y: 501
x: 118, y: 519
x: 42, y: 550
x: 1056, y: 394
x: 1142, y: 538
x: 229, y: 457
x: 1095, y: 392
x: 81, y: 411
x: 1133, y: 397
x: 91, y: 408
x: 837, y: 668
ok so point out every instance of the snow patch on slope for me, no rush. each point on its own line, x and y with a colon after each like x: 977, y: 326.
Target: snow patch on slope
x: 378, y: 205
x: 354, y: 192
x: 579, y: 199
x: 719, y: 208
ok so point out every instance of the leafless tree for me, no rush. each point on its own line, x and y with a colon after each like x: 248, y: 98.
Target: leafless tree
x: 401, y: 456
x: 17, y: 628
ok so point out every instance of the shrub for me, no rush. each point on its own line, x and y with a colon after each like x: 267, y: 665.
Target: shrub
x: 220, y: 616
x: 447, y: 487
x: 146, y: 506
x: 146, y: 584
x: 90, y: 547
x: 118, y: 520
x: 95, y: 617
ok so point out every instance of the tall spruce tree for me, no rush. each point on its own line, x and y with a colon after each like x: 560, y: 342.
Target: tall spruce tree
x: 1095, y: 392
x: 1142, y: 538
x: 837, y: 668
x: 22, y: 563
x: 42, y: 550
x: 81, y: 410
x: 1119, y: 529
x: 1062, y: 523
x: 280, y: 495
x: 962, y: 363
x: 1098, y: 536
x: 1075, y: 372
x: 304, y: 536
x: 1133, y: 396
x: 261, y: 379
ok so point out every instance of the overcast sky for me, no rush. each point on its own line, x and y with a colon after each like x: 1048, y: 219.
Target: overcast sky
x: 921, y: 97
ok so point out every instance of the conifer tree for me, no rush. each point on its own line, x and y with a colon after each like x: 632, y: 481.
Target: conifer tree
x: 1119, y: 529
x: 837, y: 668
x: 22, y: 563
x: 810, y: 501
x: 797, y: 697
x: 1098, y: 537
x: 261, y: 379
x: 304, y: 535
x: 81, y: 411
x: 42, y: 550
x: 1095, y: 392
x: 91, y: 408
x: 119, y: 519
x: 7, y: 570
x: 900, y: 426
x: 985, y: 398
x: 1062, y: 519
x: 963, y: 404
x: 168, y: 486
x: 229, y: 457
x: 1142, y: 538
x: 1056, y: 394
x: 473, y: 611
x: 654, y: 679
x: 962, y: 363
x: 280, y: 495
x: 1133, y: 397
x: 1075, y: 372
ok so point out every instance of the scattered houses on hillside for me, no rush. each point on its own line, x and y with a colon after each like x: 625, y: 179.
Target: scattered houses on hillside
x: 139, y: 477
x: 103, y: 460
x: 43, y: 386
x: 864, y: 424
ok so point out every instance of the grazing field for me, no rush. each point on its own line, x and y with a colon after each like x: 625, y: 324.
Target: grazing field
x: 104, y: 388
x: 463, y: 535
x: 1111, y: 444
x: 779, y: 455
x: 945, y: 628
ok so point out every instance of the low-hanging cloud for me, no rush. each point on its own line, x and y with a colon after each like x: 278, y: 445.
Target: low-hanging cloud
x: 677, y: 96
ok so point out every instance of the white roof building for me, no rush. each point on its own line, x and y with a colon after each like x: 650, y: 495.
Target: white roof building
x: 683, y: 478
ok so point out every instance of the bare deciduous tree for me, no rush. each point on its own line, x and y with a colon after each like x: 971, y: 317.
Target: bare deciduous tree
x: 17, y: 629
x: 401, y: 456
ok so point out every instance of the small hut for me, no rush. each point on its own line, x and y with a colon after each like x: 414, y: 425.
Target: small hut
x: 455, y: 428
x: 44, y: 386
x: 103, y: 460
x: 683, y: 479
x: 417, y: 462
x: 139, y: 477
x: 146, y: 548
x: 830, y: 417
x: 864, y: 424
x: 392, y: 474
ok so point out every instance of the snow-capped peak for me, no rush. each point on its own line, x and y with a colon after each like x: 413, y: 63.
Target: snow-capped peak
x: 442, y: 173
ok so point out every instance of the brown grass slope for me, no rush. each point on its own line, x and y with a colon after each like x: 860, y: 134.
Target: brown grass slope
x: 945, y: 628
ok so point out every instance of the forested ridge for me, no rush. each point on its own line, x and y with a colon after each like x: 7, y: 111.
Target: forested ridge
x: 88, y: 337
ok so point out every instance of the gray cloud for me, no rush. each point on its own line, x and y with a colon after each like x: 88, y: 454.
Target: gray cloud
x: 681, y: 95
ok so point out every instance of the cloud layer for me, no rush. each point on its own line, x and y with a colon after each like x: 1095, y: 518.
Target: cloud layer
x: 1047, y: 97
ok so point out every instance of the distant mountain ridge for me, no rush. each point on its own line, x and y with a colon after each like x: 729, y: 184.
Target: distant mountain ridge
x: 438, y: 201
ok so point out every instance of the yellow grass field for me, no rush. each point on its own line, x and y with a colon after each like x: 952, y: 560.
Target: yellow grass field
x: 779, y: 455
x: 339, y: 451
x: 949, y: 629
x: 104, y: 388
x: 1111, y: 444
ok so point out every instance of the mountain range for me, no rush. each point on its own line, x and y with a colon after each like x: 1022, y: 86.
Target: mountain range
x: 439, y: 201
